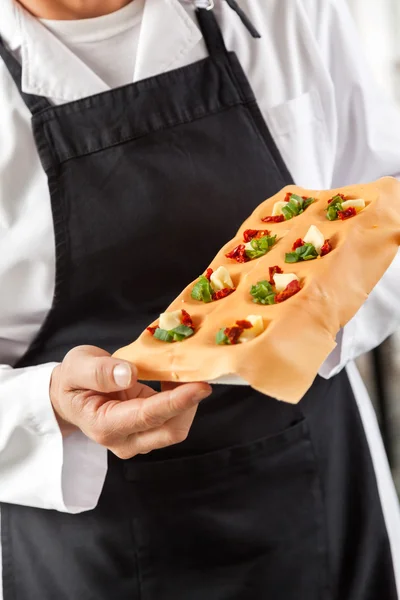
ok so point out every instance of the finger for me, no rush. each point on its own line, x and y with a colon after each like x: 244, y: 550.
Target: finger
x: 91, y: 368
x: 170, y: 385
x: 173, y: 432
x: 134, y: 416
x: 167, y: 386
x: 138, y: 390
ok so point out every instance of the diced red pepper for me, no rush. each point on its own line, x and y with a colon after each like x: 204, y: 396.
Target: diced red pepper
x: 233, y: 333
x: 276, y: 219
x: 208, y: 274
x: 326, y: 248
x: 290, y: 290
x: 238, y: 254
x: 272, y: 272
x: 152, y: 330
x: 222, y: 293
x: 346, y: 214
x: 251, y: 234
x: 298, y: 243
x: 187, y: 319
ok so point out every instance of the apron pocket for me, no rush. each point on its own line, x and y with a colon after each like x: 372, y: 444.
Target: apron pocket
x: 245, y: 522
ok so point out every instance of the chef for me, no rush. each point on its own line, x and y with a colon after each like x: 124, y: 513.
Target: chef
x: 135, y: 137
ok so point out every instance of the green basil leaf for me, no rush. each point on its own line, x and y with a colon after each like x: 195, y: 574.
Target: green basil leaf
x: 163, y: 335
x: 305, y: 252
x: 182, y: 330
x: 308, y: 202
x: 297, y: 199
x: 263, y: 293
x: 292, y: 257
x: 289, y: 211
x: 202, y: 290
x: 331, y: 213
x: 296, y: 206
x: 221, y: 338
x: 261, y: 246
x: 175, y: 335
x: 333, y: 208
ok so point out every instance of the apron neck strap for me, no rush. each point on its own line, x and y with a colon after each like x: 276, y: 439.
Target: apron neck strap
x: 208, y: 5
x: 211, y: 32
x: 34, y: 103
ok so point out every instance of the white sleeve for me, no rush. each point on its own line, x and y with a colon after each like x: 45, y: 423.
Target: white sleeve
x: 37, y: 467
x: 368, y: 147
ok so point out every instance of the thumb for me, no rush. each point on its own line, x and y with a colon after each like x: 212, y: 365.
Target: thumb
x: 90, y: 368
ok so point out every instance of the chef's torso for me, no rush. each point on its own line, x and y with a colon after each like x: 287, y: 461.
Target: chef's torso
x: 292, y: 77
x: 288, y: 75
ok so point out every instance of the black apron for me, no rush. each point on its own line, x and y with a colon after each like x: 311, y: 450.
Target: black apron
x: 264, y: 500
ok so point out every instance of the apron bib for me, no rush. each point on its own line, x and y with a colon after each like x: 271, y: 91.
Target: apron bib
x: 264, y: 499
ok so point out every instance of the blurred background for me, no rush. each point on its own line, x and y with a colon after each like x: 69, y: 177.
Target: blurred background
x: 378, y: 23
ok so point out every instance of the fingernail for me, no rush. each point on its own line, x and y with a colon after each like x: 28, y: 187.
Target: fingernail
x: 122, y: 375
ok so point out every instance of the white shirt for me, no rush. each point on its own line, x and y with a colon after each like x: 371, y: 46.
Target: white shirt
x: 331, y: 124
x: 107, y: 45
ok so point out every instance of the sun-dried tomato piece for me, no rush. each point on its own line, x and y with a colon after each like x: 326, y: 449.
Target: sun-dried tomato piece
x: 233, y: 333
x: 272, y: 272
x: 290, y: 290
x: 222, y: 293
x: 254, y: 234
x: 276, y: 219
x: 346, y: 214
x: 249, y: 234
x: 186, y: 319
x: 342, y: 196
x: 208, y: 274
x: 238, y: 254
x: 243, y: 324
x: 326, y: 248
x: 151, y: 330
x: 298, y: 243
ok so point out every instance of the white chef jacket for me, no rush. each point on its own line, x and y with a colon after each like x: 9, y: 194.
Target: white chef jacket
x: 332, y: 126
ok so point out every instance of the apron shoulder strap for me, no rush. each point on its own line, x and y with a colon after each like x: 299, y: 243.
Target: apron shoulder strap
x: 210, y: 29
x: 211, y: 32
x: 34, y: 103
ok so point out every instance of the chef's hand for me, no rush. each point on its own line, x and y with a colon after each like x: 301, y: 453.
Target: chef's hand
x: 100, y: 396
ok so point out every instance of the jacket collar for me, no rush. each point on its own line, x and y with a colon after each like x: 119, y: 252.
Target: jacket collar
x: 167, y: 35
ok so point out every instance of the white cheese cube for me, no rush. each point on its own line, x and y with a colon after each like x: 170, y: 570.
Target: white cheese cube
x: 357, y: 203
x: 170, y: 320
x: 221, y: 279
x: 277, y: 209
x: 256, y: 329
x: 282, y: 280
x: 314, y: 237
x: 248, y: 246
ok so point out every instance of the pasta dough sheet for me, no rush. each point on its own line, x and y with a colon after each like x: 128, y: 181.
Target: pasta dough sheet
x: 300, y: 332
